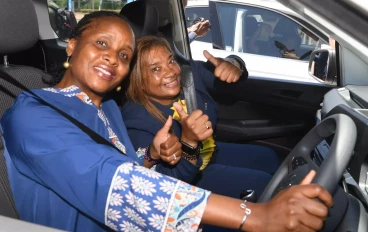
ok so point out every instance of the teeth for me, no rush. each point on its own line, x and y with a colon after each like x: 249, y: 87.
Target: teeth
x: 103, y: 70
x: 171, y: 83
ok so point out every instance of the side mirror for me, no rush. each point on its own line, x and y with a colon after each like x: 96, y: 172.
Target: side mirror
x: 322, y: 66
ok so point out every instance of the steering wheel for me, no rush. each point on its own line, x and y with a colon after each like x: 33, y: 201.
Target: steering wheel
x: 298, y: 163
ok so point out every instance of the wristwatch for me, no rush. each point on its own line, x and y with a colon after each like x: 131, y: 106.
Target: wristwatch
x: 189, y: 152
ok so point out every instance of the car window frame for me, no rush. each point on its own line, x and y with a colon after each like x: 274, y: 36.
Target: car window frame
x: 323, y: 37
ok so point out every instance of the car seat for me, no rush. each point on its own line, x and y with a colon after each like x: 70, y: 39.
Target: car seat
x: 19, y: 32
x: 250, y: 26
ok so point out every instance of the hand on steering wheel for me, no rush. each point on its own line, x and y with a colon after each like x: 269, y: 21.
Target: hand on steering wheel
x: 295, y: 209
x: 299, y: 162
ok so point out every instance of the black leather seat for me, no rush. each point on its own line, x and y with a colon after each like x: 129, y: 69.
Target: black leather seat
x: 19, y: 32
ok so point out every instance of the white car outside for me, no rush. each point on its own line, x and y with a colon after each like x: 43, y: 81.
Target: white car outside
x: 258, y: 65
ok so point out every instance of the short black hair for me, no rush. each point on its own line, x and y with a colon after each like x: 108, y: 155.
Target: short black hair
x: 86, y: 21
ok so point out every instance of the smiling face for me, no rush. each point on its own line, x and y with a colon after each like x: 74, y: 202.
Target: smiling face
x: 161, y: 75
x: 101, y: 56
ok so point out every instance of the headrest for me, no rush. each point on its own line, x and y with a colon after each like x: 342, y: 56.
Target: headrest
x: 250, y: 26
x: 19, y: 26
x: 143, y: 17
x: 286, y: 27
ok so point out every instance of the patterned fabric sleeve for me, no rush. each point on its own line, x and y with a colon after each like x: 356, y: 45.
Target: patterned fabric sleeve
x: 144, y: 200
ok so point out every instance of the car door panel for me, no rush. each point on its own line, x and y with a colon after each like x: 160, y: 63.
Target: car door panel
x: 264, y: 109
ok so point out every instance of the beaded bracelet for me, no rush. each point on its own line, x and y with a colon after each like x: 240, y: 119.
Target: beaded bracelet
x: 147, y: 156
x: 247, y: 213
x: 188, y: 157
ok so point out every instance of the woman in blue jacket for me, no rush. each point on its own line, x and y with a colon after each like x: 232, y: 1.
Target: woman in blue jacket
x: 155, y: 94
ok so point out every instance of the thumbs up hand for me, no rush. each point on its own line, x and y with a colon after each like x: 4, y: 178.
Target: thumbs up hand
x: 166, y: 146
x: 196, y: 127
x: 224, y: 70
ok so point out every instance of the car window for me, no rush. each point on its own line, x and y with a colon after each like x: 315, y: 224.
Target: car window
x: 64, y: 17
x: 192, y: 14
x: 264, y: 32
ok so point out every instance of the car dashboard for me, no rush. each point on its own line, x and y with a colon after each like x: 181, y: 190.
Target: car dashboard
x: 352, y: 101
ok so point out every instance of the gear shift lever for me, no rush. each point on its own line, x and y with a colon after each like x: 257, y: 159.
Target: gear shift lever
x: 249, y: 195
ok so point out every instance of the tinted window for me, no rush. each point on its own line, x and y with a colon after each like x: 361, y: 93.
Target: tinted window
x: 194, y: 13
x: 264, y: 32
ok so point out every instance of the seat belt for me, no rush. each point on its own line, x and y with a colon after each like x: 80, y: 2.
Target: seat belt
x: 94, y: 136
x: 186, y: 72
x: 187, y: 81
x: 6, y: 197
x: 189, y: 88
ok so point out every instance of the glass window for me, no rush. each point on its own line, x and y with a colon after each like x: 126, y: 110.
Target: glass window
x: 192, y: 14
x: 63, y: 20
x: 264, y: 32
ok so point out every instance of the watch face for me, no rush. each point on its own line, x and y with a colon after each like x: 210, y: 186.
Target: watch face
x: 191, y: 151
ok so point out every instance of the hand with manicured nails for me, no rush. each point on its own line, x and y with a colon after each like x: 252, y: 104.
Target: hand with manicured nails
x: 166, y: 146
x: 196, y: 127
x: 295, y: 208
x: 224, y: 70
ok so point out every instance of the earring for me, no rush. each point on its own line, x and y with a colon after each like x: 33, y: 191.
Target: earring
x: 118, y: 89
x: 66, y: 64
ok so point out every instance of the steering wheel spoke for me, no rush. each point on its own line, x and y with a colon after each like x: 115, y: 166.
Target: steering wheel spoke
x: 298, y: 163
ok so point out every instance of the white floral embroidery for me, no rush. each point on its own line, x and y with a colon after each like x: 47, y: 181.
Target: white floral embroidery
x: 138, y: 203
x: 112, y: 225
x: 161, y: 203
x: 167, y: 186
x: 116, y: 199
x: 129, y: 227
x: 156, y: 221
x: 71, y: 95
x: 102, y: 117
x: 126, y: 168
x: 113, y: 215
x: 132, y: 215
x: 69, y: 89
x: 51, y: 90
x: 120, y: 183
x: 120, y: 146
x: 149, y: 173
x: 143, y: 186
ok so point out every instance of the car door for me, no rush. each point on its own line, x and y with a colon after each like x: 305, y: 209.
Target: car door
x: 278, y: 102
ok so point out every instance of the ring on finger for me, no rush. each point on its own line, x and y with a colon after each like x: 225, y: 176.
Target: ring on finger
x: 207, y: 126
x: 175, y: 158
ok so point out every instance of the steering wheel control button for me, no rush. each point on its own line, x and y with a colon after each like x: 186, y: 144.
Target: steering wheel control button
x: 291, y: 180
x: 298, y: 162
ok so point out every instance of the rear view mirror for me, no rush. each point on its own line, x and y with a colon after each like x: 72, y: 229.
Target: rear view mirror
x: 322, y: 66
